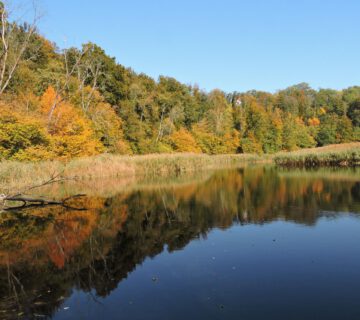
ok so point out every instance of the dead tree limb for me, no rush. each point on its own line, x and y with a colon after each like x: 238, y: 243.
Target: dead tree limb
x: 28, y: 202
x: 55, y: 177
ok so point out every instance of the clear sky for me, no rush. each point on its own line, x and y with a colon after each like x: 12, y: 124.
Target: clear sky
x: 227, y: 44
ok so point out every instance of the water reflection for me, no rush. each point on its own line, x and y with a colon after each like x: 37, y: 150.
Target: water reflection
x: 45, y: 254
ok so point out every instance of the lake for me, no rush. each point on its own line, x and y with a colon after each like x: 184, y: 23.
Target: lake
x: 248, y: 243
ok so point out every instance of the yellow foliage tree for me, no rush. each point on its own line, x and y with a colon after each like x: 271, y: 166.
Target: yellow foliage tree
x: 213, y: 144
x: 232, y: 141
x: 183, y: 141
x: 108, y: 128
x: 251, y: 145
x: 22, y: 137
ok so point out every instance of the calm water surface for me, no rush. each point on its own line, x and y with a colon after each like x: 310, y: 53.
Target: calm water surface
x: 249, y: 243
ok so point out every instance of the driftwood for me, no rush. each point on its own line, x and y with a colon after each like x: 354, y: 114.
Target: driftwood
x: 30, y: 201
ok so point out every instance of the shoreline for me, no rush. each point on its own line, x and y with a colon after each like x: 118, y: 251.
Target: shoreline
x: 339, y: 155
x: 17, y: 175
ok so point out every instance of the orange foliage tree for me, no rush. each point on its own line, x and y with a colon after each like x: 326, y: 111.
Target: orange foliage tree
x: 71, y: 131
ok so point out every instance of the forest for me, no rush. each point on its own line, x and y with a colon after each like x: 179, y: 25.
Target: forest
x: 64, y: 103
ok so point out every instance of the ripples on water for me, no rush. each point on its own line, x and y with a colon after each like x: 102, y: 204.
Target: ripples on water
x: 249, y: 243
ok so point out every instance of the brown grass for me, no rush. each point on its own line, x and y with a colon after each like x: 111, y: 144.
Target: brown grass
x: 15, y: 176
x: 18, y: 175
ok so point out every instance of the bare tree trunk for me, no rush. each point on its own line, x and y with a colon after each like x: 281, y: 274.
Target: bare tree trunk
x: 160, y: 125
x: 61, y: 88
x: 12, y: 46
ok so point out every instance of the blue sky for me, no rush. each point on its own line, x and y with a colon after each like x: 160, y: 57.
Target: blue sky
x: 227, y: 44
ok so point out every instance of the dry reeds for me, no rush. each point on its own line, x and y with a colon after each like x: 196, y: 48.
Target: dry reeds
x: 347, y: 154
x: 21, y: 174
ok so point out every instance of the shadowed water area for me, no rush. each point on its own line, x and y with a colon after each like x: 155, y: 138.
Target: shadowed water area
x: 247, y: 243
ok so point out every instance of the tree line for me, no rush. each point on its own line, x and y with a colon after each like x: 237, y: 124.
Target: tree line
x: 80, y: 102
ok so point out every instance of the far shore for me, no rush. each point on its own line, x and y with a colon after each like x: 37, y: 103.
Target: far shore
x: 16, y: 175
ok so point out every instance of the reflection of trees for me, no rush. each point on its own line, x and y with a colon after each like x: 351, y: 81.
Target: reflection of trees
x: 44, y: 254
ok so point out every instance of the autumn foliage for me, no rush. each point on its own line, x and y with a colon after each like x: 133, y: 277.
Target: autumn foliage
x: 80, y: 102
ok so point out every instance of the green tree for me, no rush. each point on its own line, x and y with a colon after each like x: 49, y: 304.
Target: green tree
x: 354, y: 112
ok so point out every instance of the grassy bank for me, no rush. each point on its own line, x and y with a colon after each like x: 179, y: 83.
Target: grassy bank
x: 347, y: 154
x: 17, y: 175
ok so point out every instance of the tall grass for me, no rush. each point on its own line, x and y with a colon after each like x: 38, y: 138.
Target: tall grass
x: 17, y: 175
x: 333, y: 155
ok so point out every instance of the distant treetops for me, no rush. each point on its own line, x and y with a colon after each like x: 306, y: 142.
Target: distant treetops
x: 80, y: 102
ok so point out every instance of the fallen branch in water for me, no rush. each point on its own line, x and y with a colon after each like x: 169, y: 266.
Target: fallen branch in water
x: 54, y: 179
x: 29, y: 201
x: 40, y: 202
